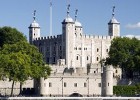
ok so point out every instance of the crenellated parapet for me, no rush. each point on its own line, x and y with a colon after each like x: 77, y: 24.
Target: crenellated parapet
x: 97, y: 37
x: 49, y: 37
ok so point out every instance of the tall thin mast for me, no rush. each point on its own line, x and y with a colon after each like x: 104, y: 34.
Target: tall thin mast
x: 50, y: 17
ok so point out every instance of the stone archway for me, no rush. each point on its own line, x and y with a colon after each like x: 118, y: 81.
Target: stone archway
x: 75, y: 95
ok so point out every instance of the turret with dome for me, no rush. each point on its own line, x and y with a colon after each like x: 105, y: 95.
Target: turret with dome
x: 34, y: 29
x: 113, y: 25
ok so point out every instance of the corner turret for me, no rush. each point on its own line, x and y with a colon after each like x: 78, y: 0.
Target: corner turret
x: 68, y: 30
x: 34, y: 29
x: 78, y: 25
x: 113, y: 25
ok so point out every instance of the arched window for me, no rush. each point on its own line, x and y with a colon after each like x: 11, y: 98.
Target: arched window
x: 106, y: 50
x: 116, y: 71
x: 97, y: 58
x: 97, y: 49
x: 87, y: 58
x: 77, y: 58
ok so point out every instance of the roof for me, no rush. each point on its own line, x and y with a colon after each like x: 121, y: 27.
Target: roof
x: 34, y: 24
x: 113, y: 21
x: 68, y: 19
x: 78, y: 24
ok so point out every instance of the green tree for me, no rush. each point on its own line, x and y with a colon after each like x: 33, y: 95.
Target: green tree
x: 125, y: 53
x: 10, y: 35
x: 18, y: 59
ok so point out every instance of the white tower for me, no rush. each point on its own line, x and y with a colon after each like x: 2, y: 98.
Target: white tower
x: 107, y: 81
x: 68, y: 30
x: 34, y: 29
x: 113, y: 26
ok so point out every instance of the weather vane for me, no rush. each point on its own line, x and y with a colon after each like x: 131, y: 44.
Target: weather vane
x: 34, y: 14
x: 68, y: 9
x: 113, y: 11
x: 76, y: 11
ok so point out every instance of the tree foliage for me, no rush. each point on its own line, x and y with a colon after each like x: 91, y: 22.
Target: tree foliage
x: 125, y: 53
x: 127, y: 90
x: 20, y: 60
x: 10, y: 35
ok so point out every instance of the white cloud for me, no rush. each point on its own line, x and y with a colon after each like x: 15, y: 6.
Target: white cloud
x: 131, y: 36
x: 132, y: 26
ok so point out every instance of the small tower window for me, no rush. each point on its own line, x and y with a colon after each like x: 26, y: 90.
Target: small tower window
x: 97, y: 49
x: 106, y: 50
x: 116, y: 71
x: 50, y: 84
x: 60, y: 48
x: 108, y: 84
x: 87, y: 58
x: 77, y: 58
x: 65, y: 84
x: 85, y: 84
x: 54, y: 59
x: 99, y: 84
x: 79, y: 48
x: 97, y: 58
x: 75, y: 84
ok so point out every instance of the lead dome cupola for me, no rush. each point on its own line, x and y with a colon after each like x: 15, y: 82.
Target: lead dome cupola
x: 77, y: 23
x: 68, y: 19
x: 34, y: 24
x: 114, y: 21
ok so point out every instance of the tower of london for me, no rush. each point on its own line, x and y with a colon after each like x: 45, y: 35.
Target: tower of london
x: 75, y: 59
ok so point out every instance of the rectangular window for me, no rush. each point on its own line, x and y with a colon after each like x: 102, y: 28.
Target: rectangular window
x: 60, y: 48
x: 85, y: 84
x: 79, y: 48
x: 75, y: 84
x: 99, y: 84
x: 50, y: 84
x: 65, y: 84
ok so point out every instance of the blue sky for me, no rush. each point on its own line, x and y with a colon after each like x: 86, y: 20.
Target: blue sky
x: 93, y: 14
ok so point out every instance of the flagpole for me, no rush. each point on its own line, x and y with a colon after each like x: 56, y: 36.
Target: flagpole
x: 50, y: 17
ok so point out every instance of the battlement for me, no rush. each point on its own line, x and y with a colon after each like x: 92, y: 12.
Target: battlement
x: 49, y: 37
x: 97, y: 37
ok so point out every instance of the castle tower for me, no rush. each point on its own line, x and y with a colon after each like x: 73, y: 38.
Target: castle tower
x: 68, y: 30
x: 44, y: 87
x: 113, y: 26
x: 107, y: 81
x: 34, y: 29
x: 78, y: 34
x: 78, y: 25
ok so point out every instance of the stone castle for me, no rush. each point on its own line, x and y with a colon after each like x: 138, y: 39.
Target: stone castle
x: 75, y: 60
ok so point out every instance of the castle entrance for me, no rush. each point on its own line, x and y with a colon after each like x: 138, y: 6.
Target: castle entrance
x: 75, y: 95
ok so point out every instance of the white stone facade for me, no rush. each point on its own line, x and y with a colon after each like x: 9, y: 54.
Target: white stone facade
x: 74, y: 58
